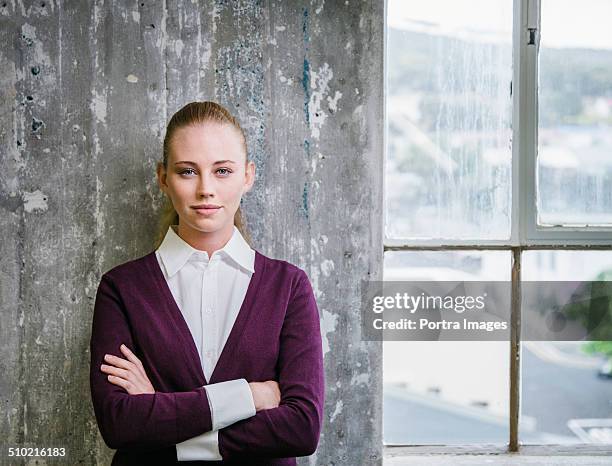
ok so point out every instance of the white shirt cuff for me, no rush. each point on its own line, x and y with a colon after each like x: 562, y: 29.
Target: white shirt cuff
x: 202, y: 447
x: 230, y: 402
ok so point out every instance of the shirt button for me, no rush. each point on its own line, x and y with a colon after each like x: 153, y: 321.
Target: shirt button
x: 209, y: 354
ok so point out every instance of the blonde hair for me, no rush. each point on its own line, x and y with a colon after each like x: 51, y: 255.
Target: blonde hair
x: 191, y: 114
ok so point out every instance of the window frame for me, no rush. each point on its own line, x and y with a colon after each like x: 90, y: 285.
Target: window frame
x: 525, y: 234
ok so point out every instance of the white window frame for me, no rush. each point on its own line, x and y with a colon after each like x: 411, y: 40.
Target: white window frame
x: 525, y: 234
x: 525, y: 102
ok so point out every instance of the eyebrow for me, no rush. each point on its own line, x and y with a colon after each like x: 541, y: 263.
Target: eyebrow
x: 195, y: 164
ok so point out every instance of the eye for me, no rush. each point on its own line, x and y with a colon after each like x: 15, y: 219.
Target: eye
x: 227, y: 170
x: 187, y: 170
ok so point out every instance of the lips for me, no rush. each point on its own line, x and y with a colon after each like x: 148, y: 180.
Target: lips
x: 206, y: 207
x: 206, y: 210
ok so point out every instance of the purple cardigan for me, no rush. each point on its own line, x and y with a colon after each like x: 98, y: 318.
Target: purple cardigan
x: 276, y: 336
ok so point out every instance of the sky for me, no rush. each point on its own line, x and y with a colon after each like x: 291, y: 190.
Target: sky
x: 565, y: 23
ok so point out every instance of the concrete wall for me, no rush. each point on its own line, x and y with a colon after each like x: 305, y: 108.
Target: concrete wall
x: 86, y: 88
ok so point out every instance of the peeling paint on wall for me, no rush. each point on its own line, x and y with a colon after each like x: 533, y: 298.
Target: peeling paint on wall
x: 320, y: 7
x: 98, y: 107
x: 319, y: 84
x: 328, y: 325
x: 327, y: 266
x: 363, y: 378
x: 35, y: 200
x: 337, y: 410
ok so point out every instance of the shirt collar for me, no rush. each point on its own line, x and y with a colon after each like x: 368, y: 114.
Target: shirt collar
x: 175, y: 252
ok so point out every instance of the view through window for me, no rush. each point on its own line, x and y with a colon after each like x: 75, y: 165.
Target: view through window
x: 448, y: 176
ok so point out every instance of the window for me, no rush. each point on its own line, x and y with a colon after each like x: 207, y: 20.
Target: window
x: 498, y: 167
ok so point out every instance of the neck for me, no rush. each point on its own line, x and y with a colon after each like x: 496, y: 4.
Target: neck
x: 204, y: 240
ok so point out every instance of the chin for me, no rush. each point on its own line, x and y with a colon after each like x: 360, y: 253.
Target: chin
x: 207, y: 225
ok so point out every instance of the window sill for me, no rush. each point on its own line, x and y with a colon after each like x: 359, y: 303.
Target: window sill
x: 460, y: 455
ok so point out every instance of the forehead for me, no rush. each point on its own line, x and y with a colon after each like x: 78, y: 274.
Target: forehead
x: 207, y: 140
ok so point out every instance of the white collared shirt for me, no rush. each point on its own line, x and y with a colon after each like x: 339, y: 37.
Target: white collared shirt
x: 209, y: 294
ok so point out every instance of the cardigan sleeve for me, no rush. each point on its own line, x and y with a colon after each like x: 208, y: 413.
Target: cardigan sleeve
x: 230, y: 401
x: 144, y: 421
x: 293, y: 428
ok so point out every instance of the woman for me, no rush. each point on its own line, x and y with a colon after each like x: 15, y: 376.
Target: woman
x: 204, y: 349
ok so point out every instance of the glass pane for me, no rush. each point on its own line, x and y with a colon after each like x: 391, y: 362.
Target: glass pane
x: 575, y: 113
x: 566, y: 386
x: 443, y: 391
x: 449, y: 119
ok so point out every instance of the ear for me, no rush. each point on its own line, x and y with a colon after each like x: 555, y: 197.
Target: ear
x: 161, y: 177
x: 250, y: 177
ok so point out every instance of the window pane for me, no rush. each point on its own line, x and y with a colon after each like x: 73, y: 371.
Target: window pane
x: 443, y: 391
x: 566, y: 394
x: 449, y: 114
x: 575, y: 113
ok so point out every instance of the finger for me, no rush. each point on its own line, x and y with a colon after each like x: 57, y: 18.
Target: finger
x: 119, y: 362
x: 130, y: 355
x: 132, y: 358
x: 124, y: 374
x: 119, y: 381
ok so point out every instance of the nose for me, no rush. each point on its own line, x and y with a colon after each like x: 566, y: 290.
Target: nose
x: 205, y: 186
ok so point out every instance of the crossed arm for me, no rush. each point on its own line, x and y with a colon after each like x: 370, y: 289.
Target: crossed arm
x: 157, y: 420
x: 230, y: 401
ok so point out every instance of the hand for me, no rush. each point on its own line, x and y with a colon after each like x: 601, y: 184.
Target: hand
x: 266, y: 395
x: 130, y: 375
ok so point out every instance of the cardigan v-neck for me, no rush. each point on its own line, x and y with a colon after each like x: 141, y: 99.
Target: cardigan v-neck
x: 276, y: 336
x: 183, y: 328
